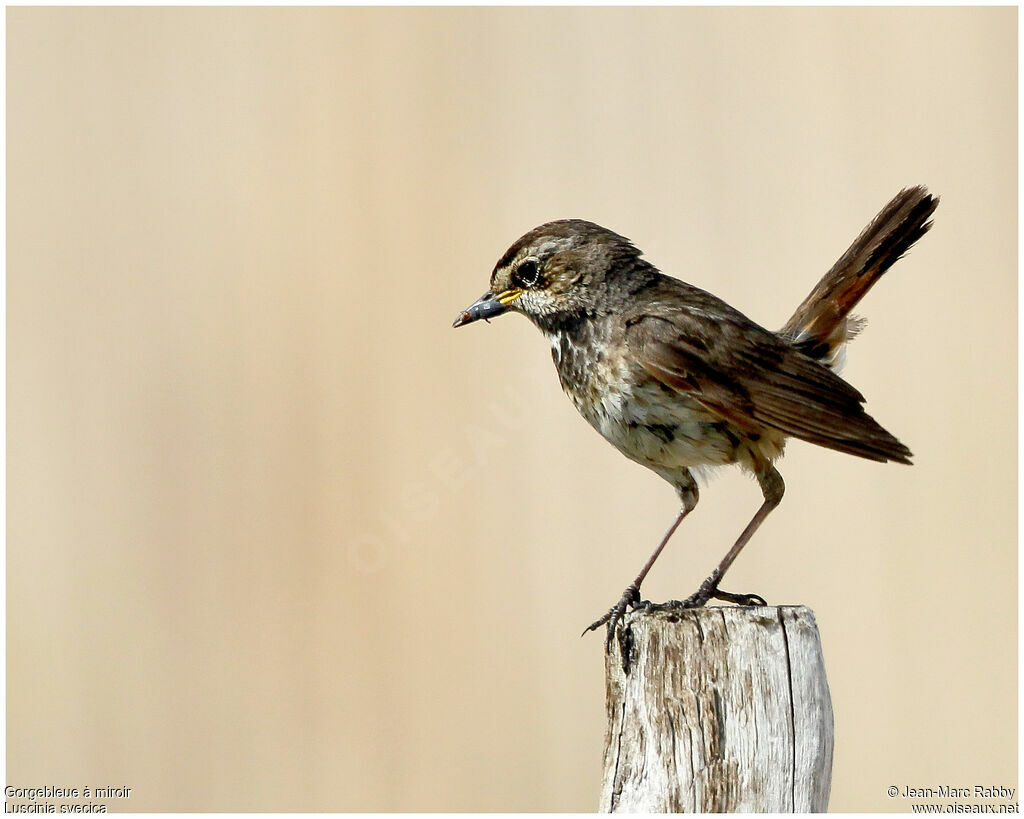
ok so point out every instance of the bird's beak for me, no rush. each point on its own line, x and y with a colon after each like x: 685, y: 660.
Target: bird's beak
x: 487, y: 306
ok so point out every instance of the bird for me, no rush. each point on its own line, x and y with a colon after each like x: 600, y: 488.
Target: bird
x: 681, y: 382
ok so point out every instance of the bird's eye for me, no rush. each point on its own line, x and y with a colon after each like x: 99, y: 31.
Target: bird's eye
x: 527, y: 274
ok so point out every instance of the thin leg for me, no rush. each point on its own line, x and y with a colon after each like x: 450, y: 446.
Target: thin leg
x: 688, y: 494
x: 773, y: 487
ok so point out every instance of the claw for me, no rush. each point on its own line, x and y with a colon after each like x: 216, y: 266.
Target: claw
x: 705, y: 593
x: 630, y: 597
x: 740, y: 599
x: 700, y: 597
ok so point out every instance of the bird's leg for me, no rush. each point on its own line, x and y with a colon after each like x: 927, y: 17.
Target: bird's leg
x: 688, y: 494
x: 631, y: 596
x: 772, y: 487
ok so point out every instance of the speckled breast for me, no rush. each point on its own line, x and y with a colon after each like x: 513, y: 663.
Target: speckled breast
x: 648, y: 422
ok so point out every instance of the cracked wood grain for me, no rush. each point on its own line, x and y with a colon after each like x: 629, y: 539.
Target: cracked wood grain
x: 723, y: 709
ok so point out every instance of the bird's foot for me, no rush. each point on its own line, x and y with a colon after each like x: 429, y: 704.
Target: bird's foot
x: 706, y: 592
x: 614, y: 615
x: 740, y: 599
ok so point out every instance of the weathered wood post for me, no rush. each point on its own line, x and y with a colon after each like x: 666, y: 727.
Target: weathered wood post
x: 722, y: 709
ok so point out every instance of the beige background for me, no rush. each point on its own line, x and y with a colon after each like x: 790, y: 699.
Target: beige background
x: 280, y: 538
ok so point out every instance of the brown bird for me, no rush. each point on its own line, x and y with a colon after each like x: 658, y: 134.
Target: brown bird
x: 679, y: 381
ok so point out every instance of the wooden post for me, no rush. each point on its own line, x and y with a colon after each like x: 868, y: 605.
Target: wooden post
x: 722, y: 709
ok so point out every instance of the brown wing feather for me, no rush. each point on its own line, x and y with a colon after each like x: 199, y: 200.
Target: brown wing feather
x: 753, y: 379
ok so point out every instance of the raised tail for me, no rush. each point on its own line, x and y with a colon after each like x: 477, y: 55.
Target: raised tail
x: 822, y: 323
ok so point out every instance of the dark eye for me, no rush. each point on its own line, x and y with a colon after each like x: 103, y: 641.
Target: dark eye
x: 527, y: 274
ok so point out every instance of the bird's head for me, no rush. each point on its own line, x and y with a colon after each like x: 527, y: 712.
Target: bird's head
x: 553, y: 273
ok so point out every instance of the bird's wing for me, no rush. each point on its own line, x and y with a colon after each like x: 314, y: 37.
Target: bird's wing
x: 752, y: 378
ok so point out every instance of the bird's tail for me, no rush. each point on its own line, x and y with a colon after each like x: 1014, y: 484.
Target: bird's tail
x: 822, y: 324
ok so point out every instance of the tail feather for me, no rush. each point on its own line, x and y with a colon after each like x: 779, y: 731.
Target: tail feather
x: 822, y: 323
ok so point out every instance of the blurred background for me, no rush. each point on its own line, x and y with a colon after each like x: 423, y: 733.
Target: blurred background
x: 281, y: 539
